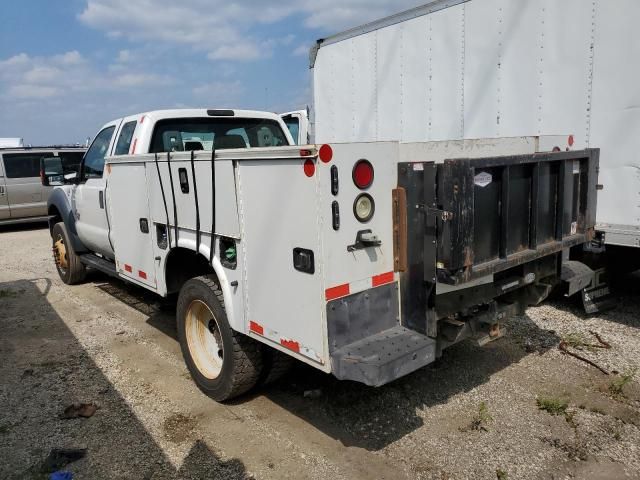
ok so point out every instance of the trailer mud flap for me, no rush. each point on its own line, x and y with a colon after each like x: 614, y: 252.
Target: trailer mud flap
x: 597, y: 297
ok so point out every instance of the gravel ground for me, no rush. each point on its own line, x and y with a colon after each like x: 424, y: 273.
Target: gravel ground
x: 474, y: 414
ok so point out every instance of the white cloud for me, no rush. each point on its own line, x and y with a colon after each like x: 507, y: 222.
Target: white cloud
x: 218, y: 89
x: 33, y: 92
x: 69, y: 58
x: 301, y: 50
x: 125, y: 56
x: 67, y: 76
x: 146, y: 80
x: 236, y: 52
x: 226, y: 29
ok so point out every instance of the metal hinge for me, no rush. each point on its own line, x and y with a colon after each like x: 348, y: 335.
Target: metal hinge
x: 444, y: 215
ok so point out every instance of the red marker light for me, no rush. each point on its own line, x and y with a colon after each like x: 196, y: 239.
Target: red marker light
x: 326, y: 153
x: 571, y: 140
x: 309, y: 168
x: 363, y: 174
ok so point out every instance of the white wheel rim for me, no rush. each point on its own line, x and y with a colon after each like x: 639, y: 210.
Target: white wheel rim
x: 203, y: 339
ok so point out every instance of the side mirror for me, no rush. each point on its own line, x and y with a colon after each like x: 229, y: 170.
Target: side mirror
x: 51, y: 171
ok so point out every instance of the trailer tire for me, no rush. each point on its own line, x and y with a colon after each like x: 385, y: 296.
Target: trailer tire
x: 68, y: 264
x: 222, y: 362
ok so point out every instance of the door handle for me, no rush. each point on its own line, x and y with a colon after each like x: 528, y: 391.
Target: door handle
x: 2, y: 192
x: 101, y: 199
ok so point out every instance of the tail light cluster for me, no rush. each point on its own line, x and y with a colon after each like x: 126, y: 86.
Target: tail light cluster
x: 364, y: 206
x: 362, y: 175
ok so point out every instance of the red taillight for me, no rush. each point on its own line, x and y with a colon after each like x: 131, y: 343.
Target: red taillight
x: 325, y: 153
x: 309, y: 168
x: 363, y: 174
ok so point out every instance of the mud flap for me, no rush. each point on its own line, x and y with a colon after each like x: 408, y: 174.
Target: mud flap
x: 597, y: 297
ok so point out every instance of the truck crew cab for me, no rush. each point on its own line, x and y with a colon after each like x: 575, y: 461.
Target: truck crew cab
x: 363, y: 260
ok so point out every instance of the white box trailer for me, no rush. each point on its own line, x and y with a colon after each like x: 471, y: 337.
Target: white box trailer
x: 464, y: 69
x: 332, y: 254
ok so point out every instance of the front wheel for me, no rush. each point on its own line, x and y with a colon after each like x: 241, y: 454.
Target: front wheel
x: 222, y: 362
x: 68, y: 264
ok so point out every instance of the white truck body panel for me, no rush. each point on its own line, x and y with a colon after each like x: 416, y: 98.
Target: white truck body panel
x: 467, y: 69
x: 267, y: 202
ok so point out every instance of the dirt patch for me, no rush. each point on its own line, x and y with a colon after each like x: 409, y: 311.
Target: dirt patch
x: 178, y: 427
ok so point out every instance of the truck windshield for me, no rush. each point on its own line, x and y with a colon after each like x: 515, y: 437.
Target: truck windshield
x: 186, y: 134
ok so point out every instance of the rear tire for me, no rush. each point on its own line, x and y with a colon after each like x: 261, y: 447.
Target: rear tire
x: 222, y: 362
x: 68, y: 264
x: 276, y: 365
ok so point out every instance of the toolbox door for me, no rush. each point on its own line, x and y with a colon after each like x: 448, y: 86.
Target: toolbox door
x: 128, y: 205
x: 281, y: 254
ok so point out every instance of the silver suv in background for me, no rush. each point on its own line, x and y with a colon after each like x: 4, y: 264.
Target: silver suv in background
x: 23, y: 198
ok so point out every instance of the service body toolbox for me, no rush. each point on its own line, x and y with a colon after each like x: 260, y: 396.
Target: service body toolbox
x: 361, y: 259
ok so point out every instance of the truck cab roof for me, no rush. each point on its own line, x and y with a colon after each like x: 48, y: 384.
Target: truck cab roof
x: 160, y: 131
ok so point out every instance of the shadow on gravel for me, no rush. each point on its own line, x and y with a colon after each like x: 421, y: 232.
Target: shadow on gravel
x: 23, y: 227
x: 160, y: 311
x: 372, y: 418
x: 44, y: 369
x: 357, y: 415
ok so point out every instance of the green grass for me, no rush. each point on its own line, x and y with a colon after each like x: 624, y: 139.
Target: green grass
x: 577, y: 341
x: 553, y: 405
x: 482, y: 418
x: 616, y: 387
x: 501, y: 474
x: 7, y: 293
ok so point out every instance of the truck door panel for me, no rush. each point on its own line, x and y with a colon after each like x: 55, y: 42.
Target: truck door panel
x: 131, y: 225
x: 89, y: 206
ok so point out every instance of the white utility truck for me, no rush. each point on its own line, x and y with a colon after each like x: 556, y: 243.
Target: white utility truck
x: 464, y: 69
x: 364, y: 260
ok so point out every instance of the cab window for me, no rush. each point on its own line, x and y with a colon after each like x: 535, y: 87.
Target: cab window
x: 187, y: 134
x: 94, y: 159
x: 124, y: 140
x: 293, y: 124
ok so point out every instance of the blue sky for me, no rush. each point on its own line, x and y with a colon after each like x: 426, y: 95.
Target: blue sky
x: 69, y: 66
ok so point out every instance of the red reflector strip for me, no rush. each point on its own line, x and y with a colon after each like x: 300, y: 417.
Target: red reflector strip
x: 382, y: 279
x: 128, y: 268
x: 290, y: 344
x: 337, y: 292
x: 256, y: 328
x: 142, y: 274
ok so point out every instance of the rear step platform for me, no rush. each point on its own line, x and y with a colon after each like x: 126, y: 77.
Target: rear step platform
x: 98, y: 263
x: 383, y: 357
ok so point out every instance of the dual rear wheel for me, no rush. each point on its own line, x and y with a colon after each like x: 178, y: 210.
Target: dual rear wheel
x: 223, y: 363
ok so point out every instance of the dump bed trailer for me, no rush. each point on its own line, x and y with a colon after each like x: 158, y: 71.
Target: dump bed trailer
x: 464, y: 69
x: 333, y: 254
